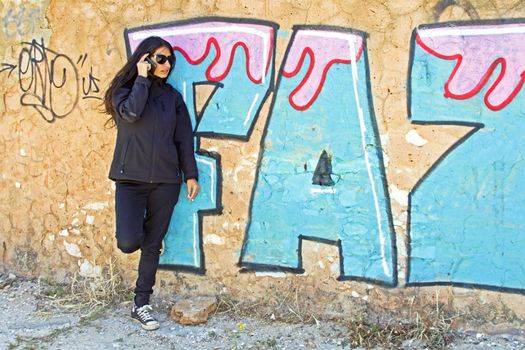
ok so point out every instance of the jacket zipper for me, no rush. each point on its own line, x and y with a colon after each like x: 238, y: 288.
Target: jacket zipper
x: 154, y: 148
x: 123, y: 157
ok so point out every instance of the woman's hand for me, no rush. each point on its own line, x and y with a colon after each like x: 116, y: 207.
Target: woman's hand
x: 143, y: 66
x: 193, y: 189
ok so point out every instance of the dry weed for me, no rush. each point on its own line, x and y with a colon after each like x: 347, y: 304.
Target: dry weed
x: 288, y: 306
x: 435, y: 333
x: 88, y: 296
x: 433, y: 329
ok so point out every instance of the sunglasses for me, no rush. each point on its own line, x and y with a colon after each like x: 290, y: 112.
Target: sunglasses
x: 161, y: 59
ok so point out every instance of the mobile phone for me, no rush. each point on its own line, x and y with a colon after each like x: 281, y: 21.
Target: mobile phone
x: 152, y: 63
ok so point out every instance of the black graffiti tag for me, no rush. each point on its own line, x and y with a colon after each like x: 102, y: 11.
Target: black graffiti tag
x: 89, y: 84
x: 8, y: 67
x: 48, y: 79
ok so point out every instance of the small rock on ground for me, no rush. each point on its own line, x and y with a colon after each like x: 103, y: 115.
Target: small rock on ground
x: 193, y: 311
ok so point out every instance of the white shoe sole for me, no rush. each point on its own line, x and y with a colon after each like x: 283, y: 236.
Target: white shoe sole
x: 152, y: 327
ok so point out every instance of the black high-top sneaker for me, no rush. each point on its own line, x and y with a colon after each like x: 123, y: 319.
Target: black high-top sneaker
x: 142, y: 315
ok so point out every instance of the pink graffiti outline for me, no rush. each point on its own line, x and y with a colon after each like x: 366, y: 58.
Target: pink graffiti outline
x: 482, y: 81
x: 214, y: 42
x: 212, y: 29
x: 307, y: 50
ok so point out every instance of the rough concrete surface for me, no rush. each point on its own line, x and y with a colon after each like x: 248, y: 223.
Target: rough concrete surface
x: 23, y: 325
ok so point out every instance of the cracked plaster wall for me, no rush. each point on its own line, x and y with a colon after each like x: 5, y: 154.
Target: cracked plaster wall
x: 56, y: 213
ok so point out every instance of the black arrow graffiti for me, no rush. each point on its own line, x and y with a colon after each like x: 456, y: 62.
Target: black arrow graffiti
x: 7, y: 66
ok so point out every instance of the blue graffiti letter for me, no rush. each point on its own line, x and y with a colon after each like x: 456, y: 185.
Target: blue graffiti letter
x: 321, y: 175
x: 466, y: 220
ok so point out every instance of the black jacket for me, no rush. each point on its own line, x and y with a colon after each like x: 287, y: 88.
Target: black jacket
x: 154, y: 134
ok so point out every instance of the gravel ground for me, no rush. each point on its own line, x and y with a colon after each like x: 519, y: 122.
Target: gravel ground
x: 23, y: 325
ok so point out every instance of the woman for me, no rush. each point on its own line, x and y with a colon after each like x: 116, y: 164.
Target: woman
x: 154, y: 144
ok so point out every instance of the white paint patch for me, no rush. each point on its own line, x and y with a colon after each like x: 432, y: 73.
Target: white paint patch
x: 384, y: 139
x: 51, y: 238
x: 225, y: 225
x: 334, y: 268
x: 400, y: 196
x: 104, y: 238
x: 18, y: 184
x: 321, y: 264
x: 415, y: 139
x: 365, y: 298
x: 72, y: 249
x: 75, y: 231
x: 90, y: 219
x: 61, y: 205
x: 89, y: 270
x: 355, y: 294
x: 403, y: 216
x: 75, y: 222
x: 87, y: 10
x: 386, y: 159
x: 23, y: 152
x: 398, y: 223
x: 64, y: 233
x: 96, y: 205
x: 243, y: 165
x: 213, y: 239
x: 323, y: 190
x: 270, y: 274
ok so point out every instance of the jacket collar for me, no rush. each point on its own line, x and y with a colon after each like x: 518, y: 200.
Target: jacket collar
x: 158, y: 86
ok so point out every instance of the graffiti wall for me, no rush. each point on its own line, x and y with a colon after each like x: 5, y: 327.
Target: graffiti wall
x: 356, y: 154
x: 320, y: 175
x: 465, y: 226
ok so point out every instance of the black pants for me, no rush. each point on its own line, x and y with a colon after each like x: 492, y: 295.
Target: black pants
x: 143, y: 213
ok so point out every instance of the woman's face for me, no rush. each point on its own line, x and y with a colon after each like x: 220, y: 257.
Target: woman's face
x: 162, y: 70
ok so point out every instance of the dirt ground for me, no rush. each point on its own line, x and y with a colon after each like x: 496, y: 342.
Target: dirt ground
x: 28, y: 322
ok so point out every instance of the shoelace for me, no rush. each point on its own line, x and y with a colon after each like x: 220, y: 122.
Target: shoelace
x: 143, y: 313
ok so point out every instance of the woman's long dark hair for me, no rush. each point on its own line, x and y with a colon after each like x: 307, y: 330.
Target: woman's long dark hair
x: 127, y: 74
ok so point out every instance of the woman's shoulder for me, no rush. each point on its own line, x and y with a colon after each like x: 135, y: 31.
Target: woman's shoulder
x: 126, y: 87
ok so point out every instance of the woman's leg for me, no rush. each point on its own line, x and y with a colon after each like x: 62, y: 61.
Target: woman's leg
x: 130, y: 206
x: 160, y: 204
